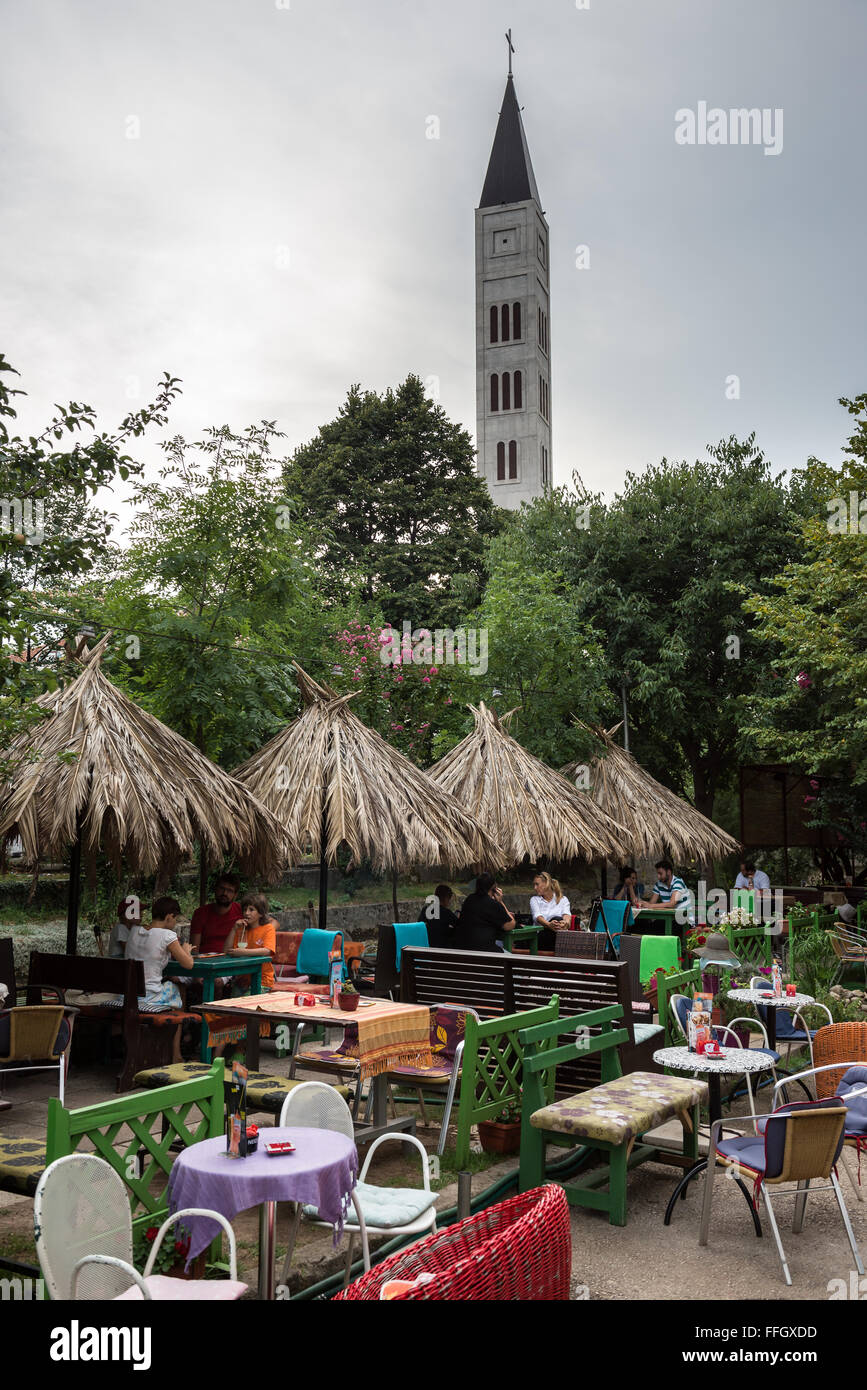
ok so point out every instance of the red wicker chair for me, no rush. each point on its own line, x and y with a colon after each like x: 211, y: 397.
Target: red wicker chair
x: 518, y: 1250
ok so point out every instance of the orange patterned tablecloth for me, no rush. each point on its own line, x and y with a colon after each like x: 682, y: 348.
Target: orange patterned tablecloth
x: 388, y: 1034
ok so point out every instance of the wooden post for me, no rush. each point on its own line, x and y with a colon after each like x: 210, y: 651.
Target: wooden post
x: 74, y: 895
x: 323, y: 864
x: 203, y: 875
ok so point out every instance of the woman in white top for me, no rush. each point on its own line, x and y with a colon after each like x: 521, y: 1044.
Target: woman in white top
x: 550, y: 909
x: 154, y: 945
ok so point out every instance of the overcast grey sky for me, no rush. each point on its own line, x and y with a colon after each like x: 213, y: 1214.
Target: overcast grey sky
x: 296, y: 131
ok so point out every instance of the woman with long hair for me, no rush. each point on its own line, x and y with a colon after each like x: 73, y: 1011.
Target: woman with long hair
x: 549, y: 907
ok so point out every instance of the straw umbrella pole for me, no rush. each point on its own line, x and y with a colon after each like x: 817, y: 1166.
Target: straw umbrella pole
x: 331, y: 780
x: 655, y: 817
x: 529, y: 809
x: 101, y: 775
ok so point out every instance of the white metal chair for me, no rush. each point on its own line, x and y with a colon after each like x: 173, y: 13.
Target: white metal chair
x: 785, y: 1027
x: 722, y: 1032
x: 377, y: 1210
x: 83, y: 1227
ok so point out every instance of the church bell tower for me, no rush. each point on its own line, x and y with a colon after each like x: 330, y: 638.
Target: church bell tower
x: 513, y: 340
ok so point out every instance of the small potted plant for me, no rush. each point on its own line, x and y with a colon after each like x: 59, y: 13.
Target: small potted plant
x: 172, y: 1256
x: 502, y: 1135
x: 347, y: 997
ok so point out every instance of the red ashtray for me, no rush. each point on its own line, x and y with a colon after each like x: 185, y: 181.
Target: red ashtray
x: 274, y: 1150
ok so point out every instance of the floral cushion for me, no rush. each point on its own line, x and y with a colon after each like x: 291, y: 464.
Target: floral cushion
x: 21, y: 1165
x: 325, y: 1056
x: 433, y: 1074
x: 618, y: 1111
x: 448, y: 1027
x: 287, y: 943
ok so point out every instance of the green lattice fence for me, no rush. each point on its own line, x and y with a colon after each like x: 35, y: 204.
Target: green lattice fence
x: 686, y: 982
x: 753, y: 946
x: 491, y: 1071
x: 134, y: 1134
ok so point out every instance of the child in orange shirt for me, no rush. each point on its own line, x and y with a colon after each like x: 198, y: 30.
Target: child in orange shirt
x: 257, y: 931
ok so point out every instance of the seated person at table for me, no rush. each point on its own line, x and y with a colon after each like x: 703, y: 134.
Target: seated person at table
x: 257, y: 931
x: 212, y: 923
x: 669, y: 891
x: 128, y: 916
x: 441, y: 922
x: 751, y: 877
x: 629, y: 887
x: 484, y: 917
x: 155, y: 944
x: 550, y: 909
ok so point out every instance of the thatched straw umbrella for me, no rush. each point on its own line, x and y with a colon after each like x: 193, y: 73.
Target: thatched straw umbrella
x: 100, y: 773
x: 331, y: 780
x: 655, y: 817
x: 530, y: 810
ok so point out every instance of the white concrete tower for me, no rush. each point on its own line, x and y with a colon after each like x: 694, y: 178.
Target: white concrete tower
x: 513, y: 374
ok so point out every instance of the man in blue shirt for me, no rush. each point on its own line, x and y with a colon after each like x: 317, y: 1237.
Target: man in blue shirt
x: 670, y: 890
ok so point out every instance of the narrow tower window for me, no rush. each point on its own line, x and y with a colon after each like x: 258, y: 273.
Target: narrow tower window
x: 495, y: 392
x: 504, y: 323
x: 501, y: 463
x: 513, y: 459
x: 495, y: 324
x: 516, y: 320
x: 507, y: 391
x: 519, y: 390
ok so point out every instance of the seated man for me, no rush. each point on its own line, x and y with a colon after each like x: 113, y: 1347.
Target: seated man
x: 670, y: 891
x: 752, y: 878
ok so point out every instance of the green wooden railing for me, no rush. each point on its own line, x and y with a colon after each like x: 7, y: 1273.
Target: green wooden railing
x: 492, y: 1069
x: 122, y: 1132
x: 753, y: 946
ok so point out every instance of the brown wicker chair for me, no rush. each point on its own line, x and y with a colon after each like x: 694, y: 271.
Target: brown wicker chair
x: 845, y: 1043
x: 33, y: 1041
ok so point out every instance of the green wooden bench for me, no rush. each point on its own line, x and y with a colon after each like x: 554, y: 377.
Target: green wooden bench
x: 610, y: 1118
x: 491, y: 1068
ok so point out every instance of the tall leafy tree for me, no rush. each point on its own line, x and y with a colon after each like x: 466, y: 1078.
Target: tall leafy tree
x: 53, y: 531
x: 811, y: 710
x: 209, y: 591
x: 396, y: 510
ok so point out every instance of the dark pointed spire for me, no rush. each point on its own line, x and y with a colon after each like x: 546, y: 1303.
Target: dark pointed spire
x: 510, y: 177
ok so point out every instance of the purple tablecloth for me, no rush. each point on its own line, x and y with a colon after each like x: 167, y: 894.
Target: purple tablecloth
x: 322, y: 1170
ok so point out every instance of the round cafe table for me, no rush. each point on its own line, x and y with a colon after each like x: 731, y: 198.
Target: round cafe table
x: 771, y: 1001
x: 322, y: 1171
x: 736, y: 1062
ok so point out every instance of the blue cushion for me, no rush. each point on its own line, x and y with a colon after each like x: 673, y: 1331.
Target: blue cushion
x: 386, y: 1207
x: 408, y: 934
x: 748, y: 1149
x: 313, y: 952
x: 854, y: 1079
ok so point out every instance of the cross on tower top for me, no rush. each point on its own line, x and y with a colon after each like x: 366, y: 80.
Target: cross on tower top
x: 511, y: 49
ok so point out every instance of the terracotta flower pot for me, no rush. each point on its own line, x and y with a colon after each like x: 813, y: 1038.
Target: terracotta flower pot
x: 500, y: 1136
x: 347, y: 1002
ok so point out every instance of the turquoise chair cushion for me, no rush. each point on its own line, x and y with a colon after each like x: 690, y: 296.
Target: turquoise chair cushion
x: 408, y: 934
x: 386, y: 1207
x: 313, y: 952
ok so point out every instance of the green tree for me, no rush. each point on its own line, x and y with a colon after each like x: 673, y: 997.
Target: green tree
x: 206, y: 601
x: 53, y: 532
x: 811, y: 710
x: 652, y: 573
x: 395, y: 508
x: 544, y: 655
